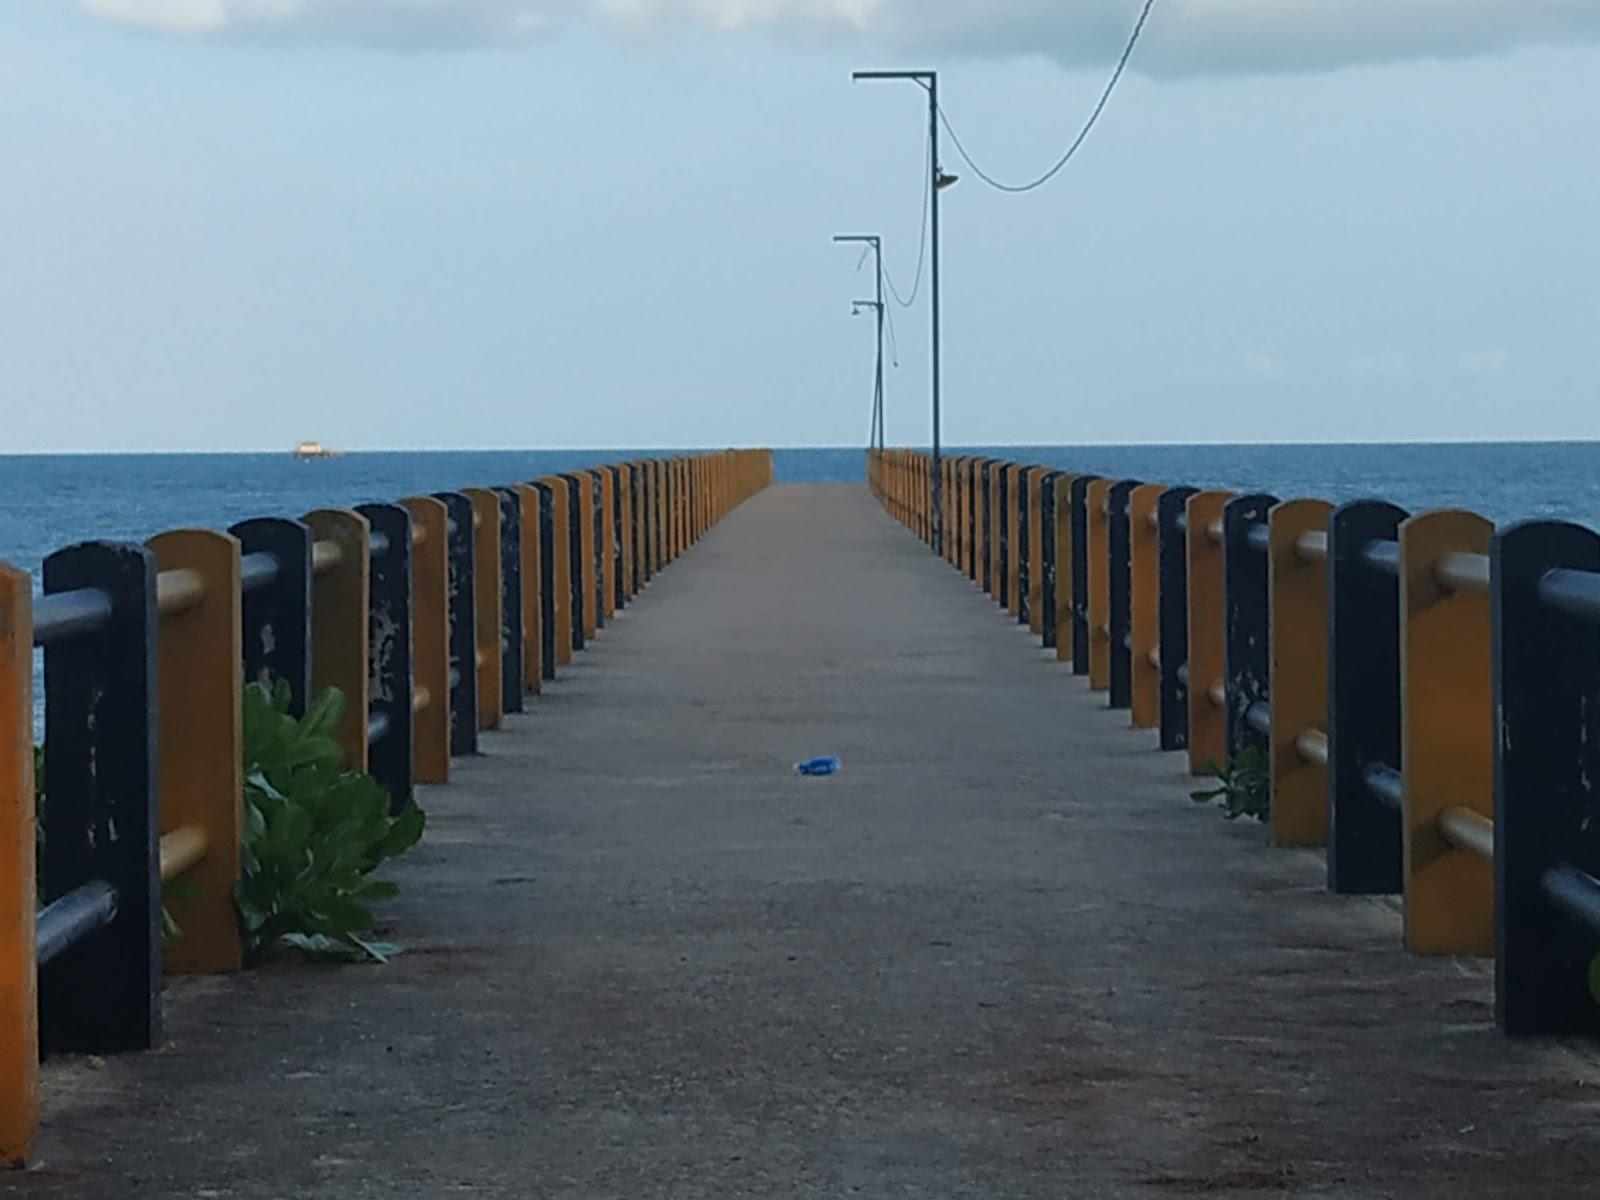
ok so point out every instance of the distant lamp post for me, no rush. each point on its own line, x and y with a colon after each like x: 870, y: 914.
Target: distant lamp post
x: 929, y: 82
x: 875, y: 435
x: 856, y: 309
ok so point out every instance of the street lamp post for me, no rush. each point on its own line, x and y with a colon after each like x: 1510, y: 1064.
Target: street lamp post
x: 937, y: 181
x: 875, y: 436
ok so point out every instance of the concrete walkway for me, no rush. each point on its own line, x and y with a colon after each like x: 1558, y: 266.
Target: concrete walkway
x: 1002, y: 955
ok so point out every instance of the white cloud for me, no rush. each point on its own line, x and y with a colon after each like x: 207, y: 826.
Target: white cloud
x: 1184, y: 36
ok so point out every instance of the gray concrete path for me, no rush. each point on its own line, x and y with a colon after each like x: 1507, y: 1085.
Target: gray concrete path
x: 1001, y: 955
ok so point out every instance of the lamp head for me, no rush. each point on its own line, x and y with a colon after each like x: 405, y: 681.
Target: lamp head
x: 942, y: 181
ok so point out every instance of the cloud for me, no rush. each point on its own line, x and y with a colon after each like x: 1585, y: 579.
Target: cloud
x: 1184, y: 36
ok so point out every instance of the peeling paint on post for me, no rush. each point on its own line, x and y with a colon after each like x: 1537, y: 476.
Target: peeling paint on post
x: 277, y: 614
x: 389, y: 666
x: 104, y: 993
x: 463, y: 626
x: 1174, y: 616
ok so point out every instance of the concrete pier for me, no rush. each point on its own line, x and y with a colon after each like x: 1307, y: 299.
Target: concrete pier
x: 1003, y: 954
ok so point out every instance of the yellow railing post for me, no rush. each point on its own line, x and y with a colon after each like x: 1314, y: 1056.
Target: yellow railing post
x: 1297, y: 590
x: 669, y: 510
x: 1036, y: 554
x: 640, y: 521
x: 430, y: 637
x: 583, y: 497
x: 1097, y: 535
x: 956, y: 530
x: 914, y: 491
x: 532, y: 588
x: 697, y: 500
x: 1064, y: 568
x: 342, y: 567
x: 1447, y: 732
x: 1208, y: 732
x: 654, y: 514
x: 19, y: 999
x: 200, y: 676
x: 996, y: 516
x: 675, y: 509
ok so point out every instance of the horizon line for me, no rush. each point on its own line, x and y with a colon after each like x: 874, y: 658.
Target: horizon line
x: 944, y: 450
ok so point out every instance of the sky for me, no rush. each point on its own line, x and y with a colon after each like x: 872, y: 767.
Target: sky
x: 237, y: 224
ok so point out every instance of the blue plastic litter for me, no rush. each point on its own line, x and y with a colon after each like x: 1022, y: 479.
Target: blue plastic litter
x: 818, y: 766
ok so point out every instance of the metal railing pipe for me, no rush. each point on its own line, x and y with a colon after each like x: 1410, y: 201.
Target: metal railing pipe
x: 62, y: 616
x: 182, y: 849
x: 1576, y: 593
x: 1467, y: 830
x: 65, y: 921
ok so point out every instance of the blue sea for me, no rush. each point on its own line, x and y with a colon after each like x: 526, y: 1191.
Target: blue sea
x: 48, y: 501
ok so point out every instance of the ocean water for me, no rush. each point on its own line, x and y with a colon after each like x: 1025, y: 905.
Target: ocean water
x: 48, y: 501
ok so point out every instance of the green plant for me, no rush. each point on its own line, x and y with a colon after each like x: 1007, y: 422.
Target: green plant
x: 314, y: 834
x: 1244, y: 785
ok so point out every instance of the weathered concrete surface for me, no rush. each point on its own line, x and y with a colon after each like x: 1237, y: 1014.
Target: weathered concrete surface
x: 1002, y: 955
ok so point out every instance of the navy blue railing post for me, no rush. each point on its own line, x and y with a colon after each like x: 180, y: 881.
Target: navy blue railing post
x: 547, y: 579
x: 1024, y: 547
x: 1003, y: 534
x: 1246, y: 643
x: 463, y: 626
x: 389, y: 677
x: 986, y: 533
x: 1546, y: 680
x: 619, y: 543
x: 1119, y: 542
x: 975, y: 493
x: 511, y: 585
x: 1047, y: 534
x: 276, y: 605
x: 1364, y: 826
x: 1080, y: 574
x: 1173, y: 619
x: 636, y: 487
x: 102, y: 825
x: 597, y: 499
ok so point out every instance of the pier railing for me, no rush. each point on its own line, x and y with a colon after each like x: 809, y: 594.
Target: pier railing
x: 1423, y: 690
x: 435, y: 617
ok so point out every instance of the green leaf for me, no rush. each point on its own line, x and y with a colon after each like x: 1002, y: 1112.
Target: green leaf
x: 404, y: 833
x: 322, y: 717
x: 313, y: 830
